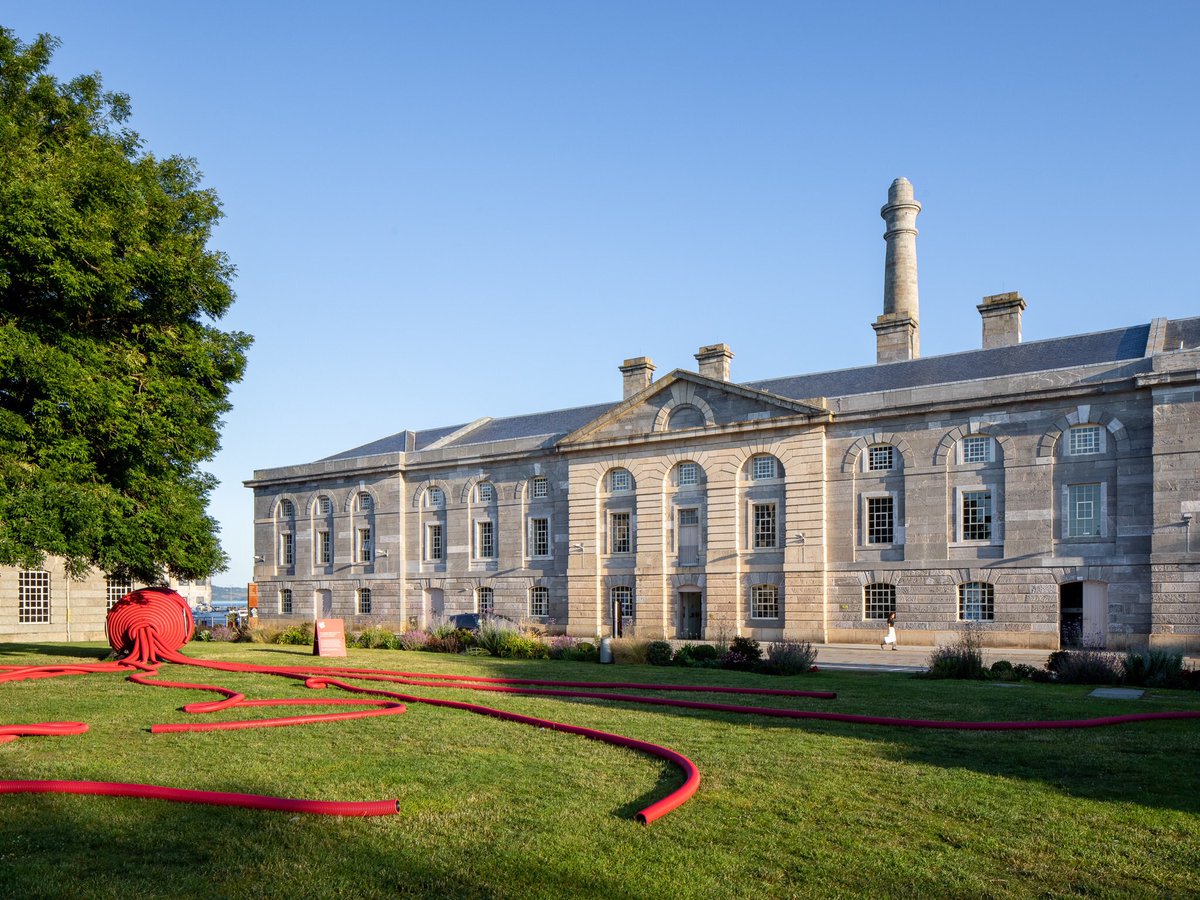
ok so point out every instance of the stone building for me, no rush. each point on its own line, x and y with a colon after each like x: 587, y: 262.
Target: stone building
x: 1044, y: 490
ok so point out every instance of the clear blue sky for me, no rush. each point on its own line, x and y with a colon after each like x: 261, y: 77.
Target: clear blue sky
x: 446, y: 210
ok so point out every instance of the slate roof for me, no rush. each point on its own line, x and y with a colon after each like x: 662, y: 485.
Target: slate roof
x: 1115, y: 346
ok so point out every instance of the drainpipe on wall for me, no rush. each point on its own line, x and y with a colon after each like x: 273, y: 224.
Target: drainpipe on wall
x: 68, y: 579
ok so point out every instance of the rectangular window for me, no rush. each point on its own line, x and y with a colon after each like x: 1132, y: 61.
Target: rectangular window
x: 326, y: 506
x: 433, y: 542
x: 33, y: 598
x: 764, y: 601
x: 977, y: 515
x: 486, y: 492
x: 976, y: 449
x: 364, y: 545
x: 879, y: 601
x: 620, y: 480
x: 434, y: 497
x: 285, y: 602
x: 1084, y: 510
x: 364, y: 601
x: 881, y: 458
x: 880, y: 518
x: 764, y: 467
x: 486, y: 601
x: 976, y: 602
x: 620, y: 535
x: 324, y: 548
x: 540, y: 488
x: 539, y: 537
x: 485, y: 540
x: 688, y: 540
x: 116, y: 589
x: 687, y: 474
x: 624, y: 597
x: 287, y: 549
x: 763, y: 519
x: 1084, y: 440
x: 539, y: 601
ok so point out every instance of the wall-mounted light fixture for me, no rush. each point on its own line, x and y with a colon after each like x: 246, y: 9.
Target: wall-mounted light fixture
x: 259, y: 559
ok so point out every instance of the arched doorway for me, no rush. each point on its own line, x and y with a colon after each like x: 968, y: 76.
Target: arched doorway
x: 1083, y: 614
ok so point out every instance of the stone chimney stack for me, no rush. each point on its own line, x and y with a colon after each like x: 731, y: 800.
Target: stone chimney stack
x: 714, y: 361
x: 637, y: 373
x: 1001, y: 319
x: 897, y: 330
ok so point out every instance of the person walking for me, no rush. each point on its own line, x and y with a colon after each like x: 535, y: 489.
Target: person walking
x: 890, y: 637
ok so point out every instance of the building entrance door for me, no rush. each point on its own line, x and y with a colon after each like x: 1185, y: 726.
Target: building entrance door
x: 690, y: 621
x: 322, y: 604
x: 1083, y: 614
x: 435, y: 604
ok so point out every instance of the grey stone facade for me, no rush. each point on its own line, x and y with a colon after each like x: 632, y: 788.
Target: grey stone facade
x: 1043, y: 489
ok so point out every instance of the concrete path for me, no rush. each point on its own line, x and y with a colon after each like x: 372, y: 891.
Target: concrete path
x: 916, y: 659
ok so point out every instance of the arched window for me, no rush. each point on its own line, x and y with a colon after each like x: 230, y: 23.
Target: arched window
x: 879, y: 601
x: 880, y: 458
x: 976, y: 602
x: 687, y: 474
x: 685, y: 416
x: 287, y: 509
x: 539, y: 601
x: 764, y: 601
x: 434, y: 497
x: 976, y: 449
x: 485, y: 601
x: 365, y: 503
x: 620, y: 481
x: 324, y: 506
x: 1085, y: 440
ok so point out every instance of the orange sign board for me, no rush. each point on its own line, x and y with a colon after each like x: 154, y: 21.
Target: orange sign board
x: 329, y: 638
x: 252, y: 596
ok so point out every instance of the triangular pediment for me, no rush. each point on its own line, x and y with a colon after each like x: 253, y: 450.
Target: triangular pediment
x: 684, y: 402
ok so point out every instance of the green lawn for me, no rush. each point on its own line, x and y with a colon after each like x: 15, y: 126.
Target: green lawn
x: 495, y: 809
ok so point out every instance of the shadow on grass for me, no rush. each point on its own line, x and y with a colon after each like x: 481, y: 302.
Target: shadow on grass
x: 63, y: 650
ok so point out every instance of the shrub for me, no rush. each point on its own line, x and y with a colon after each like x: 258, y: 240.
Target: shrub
x: 375, y: 637
x: 962, y: 659
x: 559, y: 646
x: 1153, y: 668
x: 705, y: 653
x: 630, y: 651
x: 584, y: 651
x: 523, y: 646
x: 494, y: 635
x: 225, y: 633
x: 789, y: 658
x: 202, y: 634
x: 685, y: 655
x: 295, y: 635
x: 1085, y: 667
x: 413, y: 639
x: 743, y: 653
x: 658, y: 653
x: 1022, y: 671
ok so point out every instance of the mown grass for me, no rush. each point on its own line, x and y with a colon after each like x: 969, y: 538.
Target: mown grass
x: 494, y: 809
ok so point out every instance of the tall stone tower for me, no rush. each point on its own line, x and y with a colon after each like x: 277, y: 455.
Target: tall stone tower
x: 897, y: 331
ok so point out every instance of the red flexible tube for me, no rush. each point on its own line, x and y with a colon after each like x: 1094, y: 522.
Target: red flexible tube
x: 214, y: 798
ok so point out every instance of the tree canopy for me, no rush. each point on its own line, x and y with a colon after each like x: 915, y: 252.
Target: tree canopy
x: 113, y: 375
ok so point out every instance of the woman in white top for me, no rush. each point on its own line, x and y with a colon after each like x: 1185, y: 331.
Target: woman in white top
x: 890, y: 638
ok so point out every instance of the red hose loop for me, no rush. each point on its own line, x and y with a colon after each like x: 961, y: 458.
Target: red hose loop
x: 213, y: 798
x: 12, y: 732
x: 149, y: 620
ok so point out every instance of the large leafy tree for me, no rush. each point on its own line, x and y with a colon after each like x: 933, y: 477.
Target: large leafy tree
x: 113, y: 376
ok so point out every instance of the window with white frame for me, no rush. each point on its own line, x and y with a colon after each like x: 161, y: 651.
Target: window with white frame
x: 764, y: 601
x: 881, y: 517
x: 325, y: 506
x: 879, y: 601
x: 1085, y: 510
x: 485, y: 601
x: 976, y: 448
x: 435, y: 496
x: 285, y: 601
x: 881, y: 457
x: 620, y: 480
x: 620, y: 533
x: 977, y: 515
x: 485, y: 539
x: 287, y: 508
x: 33, y: 598
x: 539, y: 601
x: 623, y: 595
x: 764, y: 467
x: 976, y: 602
x: 287, y: 549
x: 484, y: 492
x: 539, y: 488
x: 324, y: 548
x: 363, y: 601
x: 433, y: 541
x: 764, y: 534
x: 365, y: 503
x: 688, y: 474
x: 364, y: 545
x: 116, y: 588
x: 539, y: 537
x: 1085, y: 440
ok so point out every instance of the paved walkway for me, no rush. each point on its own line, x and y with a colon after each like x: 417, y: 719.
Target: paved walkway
x: 916, y: 658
